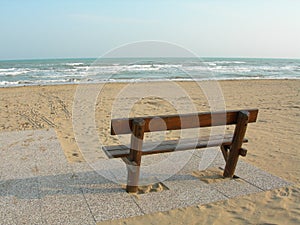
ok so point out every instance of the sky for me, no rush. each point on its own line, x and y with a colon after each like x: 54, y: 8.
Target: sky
x: 34, y: 29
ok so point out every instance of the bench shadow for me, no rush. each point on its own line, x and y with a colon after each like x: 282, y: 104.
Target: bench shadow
x: 67, y: 184
x: 62, y: 184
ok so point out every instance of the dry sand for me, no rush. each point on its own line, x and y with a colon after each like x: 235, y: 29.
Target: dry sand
x: 273, y: 147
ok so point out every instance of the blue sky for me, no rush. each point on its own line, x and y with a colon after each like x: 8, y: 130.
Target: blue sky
x: 89, y: 28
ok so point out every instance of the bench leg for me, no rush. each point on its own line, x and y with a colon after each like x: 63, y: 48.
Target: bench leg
x: 237, y: 141
x: 135, y: 155
x: 132, y: 178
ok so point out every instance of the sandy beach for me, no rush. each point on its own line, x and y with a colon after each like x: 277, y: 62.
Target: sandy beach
x: 273, y: 141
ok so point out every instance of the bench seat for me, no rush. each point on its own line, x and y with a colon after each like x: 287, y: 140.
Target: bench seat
x: 120, y: 151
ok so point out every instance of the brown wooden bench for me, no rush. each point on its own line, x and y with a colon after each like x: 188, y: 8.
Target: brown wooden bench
x: 230, y: 145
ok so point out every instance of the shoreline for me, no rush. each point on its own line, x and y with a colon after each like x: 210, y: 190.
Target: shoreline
x: 147, y: 81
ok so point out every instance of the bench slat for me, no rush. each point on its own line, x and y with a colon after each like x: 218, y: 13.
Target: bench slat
x: 117, y: 151
x: 185, y: 121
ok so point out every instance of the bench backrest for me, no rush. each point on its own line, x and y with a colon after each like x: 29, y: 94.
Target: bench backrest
x: 184, y: 121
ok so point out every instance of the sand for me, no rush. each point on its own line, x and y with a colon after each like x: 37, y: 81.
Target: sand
x: 273, y: 147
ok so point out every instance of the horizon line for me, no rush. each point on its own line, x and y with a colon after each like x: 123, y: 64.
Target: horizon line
x: 178, y: 57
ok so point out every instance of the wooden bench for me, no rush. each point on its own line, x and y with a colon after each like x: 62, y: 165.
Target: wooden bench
x: 230, y: 145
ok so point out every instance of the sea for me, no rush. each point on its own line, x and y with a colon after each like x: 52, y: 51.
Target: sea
x: 91, y: 70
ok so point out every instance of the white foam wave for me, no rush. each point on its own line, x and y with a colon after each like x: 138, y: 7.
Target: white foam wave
x: 219, y: 69
x: 226, y: 62
x: 8, y: 83
x: 37, y: 82
x: 74, y: 64
x: 17, y: 71
x: 14, y: 73
x: 128, y: 68
x: 293, y: 67
x: 7, y: 70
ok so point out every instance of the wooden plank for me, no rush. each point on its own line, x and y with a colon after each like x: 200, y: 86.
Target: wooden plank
x: 135, y: 155
x: 118, y: 151
x: 237, y: 141
x: 225, y: 151
x: 185, y: 121
x: 243, y: 152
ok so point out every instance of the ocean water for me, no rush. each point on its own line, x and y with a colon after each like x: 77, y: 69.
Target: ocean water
x: 62, y: 71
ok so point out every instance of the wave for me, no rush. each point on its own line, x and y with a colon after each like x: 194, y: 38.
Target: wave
x: 8, y: 83
x: 225, y: 62
x: 7, y: 70
x: 74, y: 64
x: 14, y: 73
x: 38, y: 82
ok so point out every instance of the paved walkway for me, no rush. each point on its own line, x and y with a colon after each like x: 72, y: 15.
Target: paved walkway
x: 38, y: 185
